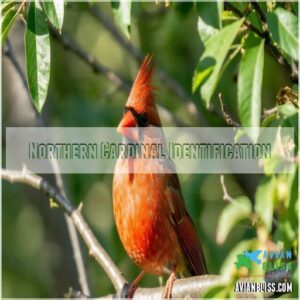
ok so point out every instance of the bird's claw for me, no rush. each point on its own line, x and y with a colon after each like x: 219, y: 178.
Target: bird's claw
x: 127, y: 291
x: 167, y: 294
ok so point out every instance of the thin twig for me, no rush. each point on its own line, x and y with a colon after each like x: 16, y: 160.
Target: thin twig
x: 71, y: 45
x: 8, y: 51
x: 269, y: 112
x: 161, y: 73
x: 77, y: 255
x: 268, y: 41
x: 95, y: 249
x: 246, y: 22
x: 226, y: 116
x: 226, y: 196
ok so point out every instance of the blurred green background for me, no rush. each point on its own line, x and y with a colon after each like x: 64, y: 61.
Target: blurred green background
x: 37, y: 259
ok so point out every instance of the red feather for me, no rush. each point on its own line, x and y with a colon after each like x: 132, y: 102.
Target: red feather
x: 184, y: 227
x: 190, y: 244
x: 141, y: 95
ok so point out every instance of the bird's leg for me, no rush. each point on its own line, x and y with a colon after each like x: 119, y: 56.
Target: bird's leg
x: 169, y: 285
x: 133, y: 286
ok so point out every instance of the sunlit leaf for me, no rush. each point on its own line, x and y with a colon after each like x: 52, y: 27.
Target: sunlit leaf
x: 216, y: 50
x: 236, y: 211
x: 249, y: 88
x: 264, y: 201
x: 201, y: 76
x: 122, y: 11
x: 229, y: 269
x: 268, y: 120
x: 293, y: 199
x: 210, y: 18
x: 285, y: 233
x: 239, y: 134
x: 6, y: 5
x: 55, y: 12
x: 37, y: 47
x: 7, y: 22
x: 295, y: 280
x: 287, y: 109
x: 283, y: 26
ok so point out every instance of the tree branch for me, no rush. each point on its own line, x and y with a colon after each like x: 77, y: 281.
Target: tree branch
x: 8, y: 51
x: 265, y: 35
x: 98, y: 68
x: 269, y: 112
x: 172, y: 85
x: 260, y: 13
x: 240, y: 14
x: 95, y: 249
x: 69, y: 44
x: 183, y: 288
x: 187, y: 287
x: 77, y: 255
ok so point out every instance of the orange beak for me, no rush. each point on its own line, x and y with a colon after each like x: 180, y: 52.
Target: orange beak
x: 127, y: 127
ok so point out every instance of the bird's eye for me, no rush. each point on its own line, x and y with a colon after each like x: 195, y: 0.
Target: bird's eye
x: 142, y: 120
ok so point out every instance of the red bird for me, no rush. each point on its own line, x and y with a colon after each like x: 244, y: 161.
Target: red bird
x: 153, y: 224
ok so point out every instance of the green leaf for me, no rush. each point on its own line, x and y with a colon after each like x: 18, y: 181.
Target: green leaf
x: 7, y: 22
x: 287, y: 109
x: 55, y: 12
x: 122, y: 10
x: 285, y: 234
x: 293, y: 200
x: 295, y: 88
x: 272, y: 165
x: 6, y: 5
x: 229, y: 269
x: 216, y: 50
x: 200, y: 76
x: 233, y: 213
x: 249, y: 88
x: 210, y: 18
x: 295, y: 280
x: 264, y: 201
x: 268, y: 120
x: 283, y: 26
x: 37, y: 48
x: 239, y: 134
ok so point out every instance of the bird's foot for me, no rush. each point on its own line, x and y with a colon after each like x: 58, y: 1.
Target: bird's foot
x: 130, y: 292
x: 129, y: 289
x: 167, y: 294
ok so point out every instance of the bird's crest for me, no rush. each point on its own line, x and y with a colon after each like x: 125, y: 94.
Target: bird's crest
x: 141, y: 95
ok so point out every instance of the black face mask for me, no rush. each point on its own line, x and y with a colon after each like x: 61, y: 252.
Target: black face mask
x: 140, y: 118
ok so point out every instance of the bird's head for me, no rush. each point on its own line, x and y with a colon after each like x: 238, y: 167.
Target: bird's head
x: 140, y: 109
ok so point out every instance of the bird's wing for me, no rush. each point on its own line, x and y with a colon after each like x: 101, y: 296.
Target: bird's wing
x: 184, y: 227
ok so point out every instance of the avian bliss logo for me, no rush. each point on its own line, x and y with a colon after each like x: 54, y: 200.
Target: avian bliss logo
x: 268, y: 260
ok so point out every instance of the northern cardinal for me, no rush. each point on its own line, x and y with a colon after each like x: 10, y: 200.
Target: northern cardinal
x: 153, y: 224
